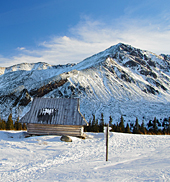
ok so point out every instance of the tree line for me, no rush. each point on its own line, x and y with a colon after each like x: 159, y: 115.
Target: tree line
x: 10, y: 125
x: 154, y: 127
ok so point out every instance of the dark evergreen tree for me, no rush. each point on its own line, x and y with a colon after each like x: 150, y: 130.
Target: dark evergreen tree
x: 114, y: 128
x: 9, y: 124
x: 121, y: 125
x: 110, y: 120
x: 136, y: 127
x: 165, y: 125
x: 118, y: 127
x: 24, y: 126
x: 131, y: 126
x: 142, y: 128
x: 127, y: 129
x: 168, y: 127
x: 155, y: 127
x: 93, y: 120
x: 2, y: 124
x: 101, y: 123
x: 17, y: 125
x: 96, y: 126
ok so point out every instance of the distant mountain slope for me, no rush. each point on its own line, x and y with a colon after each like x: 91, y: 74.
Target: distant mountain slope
x: 122, y: 80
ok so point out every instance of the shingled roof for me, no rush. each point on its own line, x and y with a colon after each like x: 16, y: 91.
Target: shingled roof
x: 61, y: 111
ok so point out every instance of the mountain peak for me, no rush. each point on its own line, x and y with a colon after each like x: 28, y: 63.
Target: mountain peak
x: 118, y: 51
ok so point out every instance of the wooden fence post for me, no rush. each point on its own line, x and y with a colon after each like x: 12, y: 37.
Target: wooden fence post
x: 107, y: 141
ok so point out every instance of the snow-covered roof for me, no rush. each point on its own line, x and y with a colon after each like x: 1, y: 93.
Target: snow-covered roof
x: 62, y: 111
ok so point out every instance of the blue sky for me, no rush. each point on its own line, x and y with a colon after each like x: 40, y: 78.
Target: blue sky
x: 68, y: 31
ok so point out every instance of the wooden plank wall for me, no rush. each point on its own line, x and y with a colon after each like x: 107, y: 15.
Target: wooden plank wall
x: 45, y: 129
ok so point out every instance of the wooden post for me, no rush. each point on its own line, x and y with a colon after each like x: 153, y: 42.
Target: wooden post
x: 107, y: 141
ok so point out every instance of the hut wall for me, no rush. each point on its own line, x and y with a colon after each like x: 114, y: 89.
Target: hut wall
x: 52, y: 129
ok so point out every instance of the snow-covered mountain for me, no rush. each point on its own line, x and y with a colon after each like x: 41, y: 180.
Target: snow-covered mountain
x: 122, y: 80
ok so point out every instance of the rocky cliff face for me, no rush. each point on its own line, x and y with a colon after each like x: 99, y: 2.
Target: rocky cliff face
x: 121, y: 80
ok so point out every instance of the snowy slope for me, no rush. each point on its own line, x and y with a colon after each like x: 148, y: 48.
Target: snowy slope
x: 122, y: 80
x: 46, y: 158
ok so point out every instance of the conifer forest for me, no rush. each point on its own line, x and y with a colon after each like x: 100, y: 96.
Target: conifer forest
x: 153, y: 127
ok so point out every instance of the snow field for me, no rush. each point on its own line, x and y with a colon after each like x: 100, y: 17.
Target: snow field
x: 46, y: 158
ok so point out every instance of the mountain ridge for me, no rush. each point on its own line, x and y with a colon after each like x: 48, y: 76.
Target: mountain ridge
x: 106, y: 82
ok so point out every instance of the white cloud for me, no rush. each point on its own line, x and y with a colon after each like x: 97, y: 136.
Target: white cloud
x: 90, y: 37
x: 20, y: 48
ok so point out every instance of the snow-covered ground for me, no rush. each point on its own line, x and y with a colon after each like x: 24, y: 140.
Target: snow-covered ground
x: 46, y: 158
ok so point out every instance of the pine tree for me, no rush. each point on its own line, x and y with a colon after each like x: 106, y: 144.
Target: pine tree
x: 90, y: 125
x: 96, y: 126
x: 3, y: 125
x: 117, y: 127
x: 9, y: 124
x: 17, y: 125
x: 131, y: 126
x: 168, y: 128
x: 136, y: 127
x: 110, y: 120
x: 93, y: 120
x: 0, y: 124
x: 155, y: 127
x: 142, y: 128
x: 127, y: 129
x: 165, y: 125
x: 121, y: 125
x: 114, y: 128
x: 89, y: 122
x: 101, y: 123
x: 24, y: 127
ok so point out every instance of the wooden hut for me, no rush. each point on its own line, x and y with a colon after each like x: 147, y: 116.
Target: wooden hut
x: 55, y: 116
